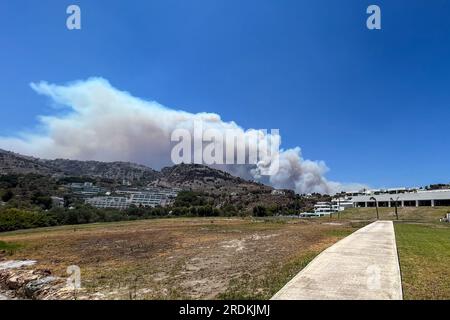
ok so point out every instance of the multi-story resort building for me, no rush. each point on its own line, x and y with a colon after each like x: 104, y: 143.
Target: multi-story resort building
x: 327, y: 208
x: 149, y: 197
x: 86, y: 189
x: 162, y: 192
x: 120, y: 203
x: 323, y: 208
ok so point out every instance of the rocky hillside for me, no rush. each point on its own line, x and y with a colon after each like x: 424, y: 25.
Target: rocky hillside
x: 13, y: 163
x: 108, y: 170
x: 186, y: 176
x: 222, y: 187
x: 203, y: 178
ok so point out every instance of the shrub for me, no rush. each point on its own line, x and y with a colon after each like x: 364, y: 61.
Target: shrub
x: 259, y: 211
x: 14, y: 219
x: 189, y: 198
x: 7, y: 195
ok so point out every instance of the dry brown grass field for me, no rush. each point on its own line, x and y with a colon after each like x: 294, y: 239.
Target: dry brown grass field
x: 189, y: 258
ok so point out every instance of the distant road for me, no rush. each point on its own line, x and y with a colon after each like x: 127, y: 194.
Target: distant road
x: 363, y: 266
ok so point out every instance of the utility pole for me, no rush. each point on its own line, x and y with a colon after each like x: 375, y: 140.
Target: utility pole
x: 331, y: 210
x: 376, y: 206
x: 396, y: 210
x: 339, y: 208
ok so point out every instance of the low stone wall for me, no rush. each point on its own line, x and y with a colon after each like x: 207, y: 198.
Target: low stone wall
x: 18, y: 281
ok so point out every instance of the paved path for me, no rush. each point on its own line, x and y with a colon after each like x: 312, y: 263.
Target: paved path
x: 362, y: 266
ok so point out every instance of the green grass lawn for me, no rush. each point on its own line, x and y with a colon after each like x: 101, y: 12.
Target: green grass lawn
x: 424, y: 252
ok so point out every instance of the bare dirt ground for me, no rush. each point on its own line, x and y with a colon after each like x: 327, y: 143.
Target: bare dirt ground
x: 189, y: 258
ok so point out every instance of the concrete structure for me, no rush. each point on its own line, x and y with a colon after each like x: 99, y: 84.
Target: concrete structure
x: 149, y: 197
x: 326, y: 208
x: 342, y: 204
x: 86, y: 189
x: 415, y: 198
x: 323, y: 209
x: 403, y: 197
x: 363, y: 266
x: 57, y: 202
x: 163, y: 192
x: 120, y: 203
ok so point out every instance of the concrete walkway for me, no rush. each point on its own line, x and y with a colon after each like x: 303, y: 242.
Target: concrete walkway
x: 362, y: 266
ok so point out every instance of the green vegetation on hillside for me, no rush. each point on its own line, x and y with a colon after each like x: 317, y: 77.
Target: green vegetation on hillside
x: 26, y: 202
x: 14, y: 219
x: 190, y: 198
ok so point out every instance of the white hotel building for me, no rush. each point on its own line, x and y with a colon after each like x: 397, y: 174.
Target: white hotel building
x: 402, y: 196
x: 149, y: 197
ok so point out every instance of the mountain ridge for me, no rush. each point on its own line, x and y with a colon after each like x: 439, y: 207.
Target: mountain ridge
x: 188, y: 176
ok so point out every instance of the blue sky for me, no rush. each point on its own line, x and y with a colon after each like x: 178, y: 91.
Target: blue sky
x: 374, y: 105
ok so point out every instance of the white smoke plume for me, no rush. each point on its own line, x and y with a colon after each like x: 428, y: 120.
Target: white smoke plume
x: 106, y: 124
